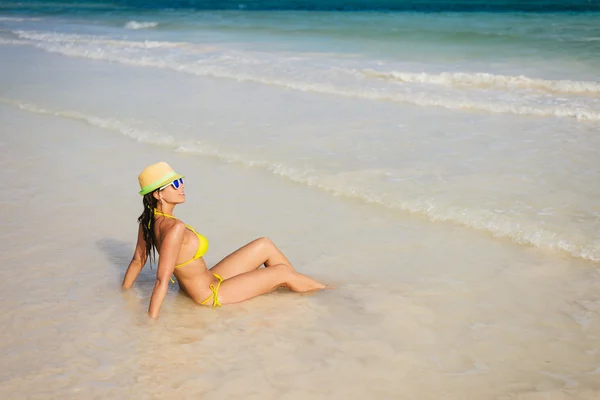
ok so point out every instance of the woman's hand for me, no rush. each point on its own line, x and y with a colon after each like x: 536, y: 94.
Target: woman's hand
x: 137, y: 262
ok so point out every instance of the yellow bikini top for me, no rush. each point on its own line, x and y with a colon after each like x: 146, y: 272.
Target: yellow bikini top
x: 202, y: 241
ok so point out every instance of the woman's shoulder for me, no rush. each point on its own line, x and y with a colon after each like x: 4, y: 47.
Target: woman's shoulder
x: 170, y: 224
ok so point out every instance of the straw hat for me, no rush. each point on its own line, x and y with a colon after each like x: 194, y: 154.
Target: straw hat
x: 155, y: 176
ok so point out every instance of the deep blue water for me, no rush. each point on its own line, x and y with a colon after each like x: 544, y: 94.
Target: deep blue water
x: 334, y: 5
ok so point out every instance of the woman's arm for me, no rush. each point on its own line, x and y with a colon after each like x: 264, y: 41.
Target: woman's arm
x: 169, y: 250
x: 137, y: 262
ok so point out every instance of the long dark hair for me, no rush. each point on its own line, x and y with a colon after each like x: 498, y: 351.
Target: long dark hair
x: 146, y: 220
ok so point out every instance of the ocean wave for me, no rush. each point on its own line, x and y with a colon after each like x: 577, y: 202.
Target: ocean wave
x: 104, y: 123
x: 18, y: 19
x: 140, y: 25
x: 39, y: 38
x: 15, y: 42
x: 418, y: 99
x: 34, y: 5
x: 54, y: 37
x: 64, y: 44
x: 348, y: 184
x: 485, y: 80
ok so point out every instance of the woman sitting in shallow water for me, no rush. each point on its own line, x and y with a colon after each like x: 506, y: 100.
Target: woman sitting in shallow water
x: 236, y: 278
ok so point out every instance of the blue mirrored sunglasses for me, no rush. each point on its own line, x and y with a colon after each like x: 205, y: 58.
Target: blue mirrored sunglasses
x: 176, y: 184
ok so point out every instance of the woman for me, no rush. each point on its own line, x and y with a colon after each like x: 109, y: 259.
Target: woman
x: 236, y: 278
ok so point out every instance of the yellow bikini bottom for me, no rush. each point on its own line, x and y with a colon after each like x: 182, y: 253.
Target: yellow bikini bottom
x: 215, y: 295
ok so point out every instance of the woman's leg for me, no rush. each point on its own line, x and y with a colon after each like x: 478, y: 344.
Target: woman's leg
x: 254, y: 283
x: 251, y: 257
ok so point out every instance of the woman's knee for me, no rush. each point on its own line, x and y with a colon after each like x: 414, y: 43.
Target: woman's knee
x: 265, y: 243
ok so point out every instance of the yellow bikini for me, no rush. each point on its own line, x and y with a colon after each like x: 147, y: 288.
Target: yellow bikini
x: 202, y: 248
x: 202, y: 241
x: 215, y: 295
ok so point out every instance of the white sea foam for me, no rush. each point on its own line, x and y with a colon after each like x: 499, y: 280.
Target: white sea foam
x: 15, y: 42
x: 348, y: 184
x: 39, y: 38
x: 54, y: 37
x: 18, y: 19
x: 52, y: 4
x: 489, y: 80
x: 140, y: 25
x: 105, y: 123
